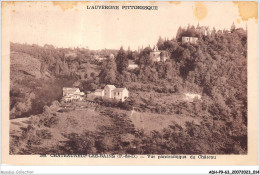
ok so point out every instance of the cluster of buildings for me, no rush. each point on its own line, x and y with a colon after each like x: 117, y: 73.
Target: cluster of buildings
x: 72, y: 94
x: 162, y: 55
x: 109, y: 91
x: 155, y: 55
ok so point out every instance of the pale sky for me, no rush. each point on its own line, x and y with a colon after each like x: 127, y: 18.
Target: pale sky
x: 44, y: 23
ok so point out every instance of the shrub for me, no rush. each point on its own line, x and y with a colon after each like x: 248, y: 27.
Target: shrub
x: 49, y: 121
x: 44, y: 134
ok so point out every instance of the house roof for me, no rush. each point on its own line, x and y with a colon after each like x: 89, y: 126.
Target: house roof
x: 69, y: 90
x: 73, y: 94
x: 110, y: 86
x: 119, y: 89
x: 72, y: 91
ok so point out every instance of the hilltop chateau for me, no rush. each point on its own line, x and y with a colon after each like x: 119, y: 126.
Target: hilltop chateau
x: 159, y: 55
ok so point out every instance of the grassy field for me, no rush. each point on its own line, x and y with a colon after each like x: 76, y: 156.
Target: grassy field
x: 157, y: 122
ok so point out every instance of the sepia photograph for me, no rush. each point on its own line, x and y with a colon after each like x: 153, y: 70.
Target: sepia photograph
x: 128, y: 78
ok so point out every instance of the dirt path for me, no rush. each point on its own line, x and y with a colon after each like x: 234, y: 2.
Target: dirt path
x: 16, y: 125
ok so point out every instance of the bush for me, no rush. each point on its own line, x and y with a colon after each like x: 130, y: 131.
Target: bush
x: 49, y: 121
x: 44, y: 134
x: 79, y: 144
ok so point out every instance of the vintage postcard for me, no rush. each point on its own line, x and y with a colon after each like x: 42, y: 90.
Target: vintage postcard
x: 129, y: 83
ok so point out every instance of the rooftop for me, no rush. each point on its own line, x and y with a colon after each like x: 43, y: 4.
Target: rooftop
x: 119, y: 89
x: 69, y: 88
x: 111, y: 86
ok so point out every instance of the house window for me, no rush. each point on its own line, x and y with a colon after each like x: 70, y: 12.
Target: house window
x: 118, y: 93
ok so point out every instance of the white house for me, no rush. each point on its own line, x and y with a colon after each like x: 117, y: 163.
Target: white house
x: 132, y: 66
x: 191, y: 96
x: 192, y: 40
x: 120, y: 94
x: 72, y: 94
x: 108, y: 91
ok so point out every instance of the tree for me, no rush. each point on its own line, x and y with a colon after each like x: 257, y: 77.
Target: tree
x: 170, y: 45
x: 57, y: 68
x: 108, y: 73
x: 213, y: 33
x: 144, y: 57
x: 43, y: 67
x: 233, y: 27
x: 65, y: 69
x: 121, y: 60
x: 160, y: 43
x: 179, y: 33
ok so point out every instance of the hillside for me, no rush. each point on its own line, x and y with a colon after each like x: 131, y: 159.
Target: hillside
x: 41, y: 134
x: 22, y: 65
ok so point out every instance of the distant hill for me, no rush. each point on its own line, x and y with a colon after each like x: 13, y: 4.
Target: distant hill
x: 23, y: 64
